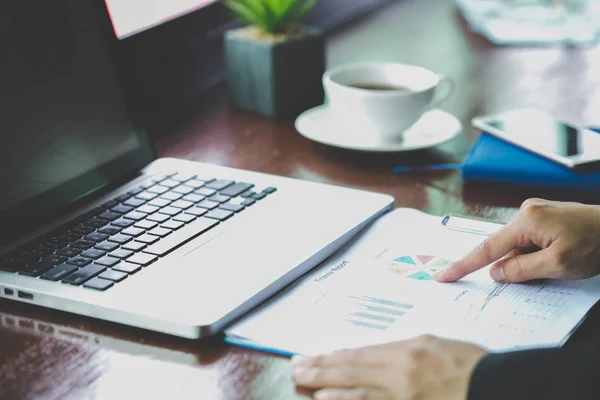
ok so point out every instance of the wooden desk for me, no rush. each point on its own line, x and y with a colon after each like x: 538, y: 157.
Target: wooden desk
x: 46, y: 354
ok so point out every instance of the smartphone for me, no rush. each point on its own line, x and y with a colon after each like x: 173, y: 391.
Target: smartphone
x: 545, y: 135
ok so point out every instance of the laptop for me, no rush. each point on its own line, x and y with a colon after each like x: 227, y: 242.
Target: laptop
x: 94, y: 224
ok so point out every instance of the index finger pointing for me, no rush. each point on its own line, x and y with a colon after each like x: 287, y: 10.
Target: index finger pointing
x: 490, y: 250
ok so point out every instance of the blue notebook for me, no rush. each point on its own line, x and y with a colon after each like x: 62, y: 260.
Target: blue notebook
x: 494, y: 160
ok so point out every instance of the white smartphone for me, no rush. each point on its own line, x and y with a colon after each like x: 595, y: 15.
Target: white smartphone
x: 543, y: 134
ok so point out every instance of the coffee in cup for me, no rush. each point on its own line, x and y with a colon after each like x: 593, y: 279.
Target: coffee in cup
x: 383, y: 98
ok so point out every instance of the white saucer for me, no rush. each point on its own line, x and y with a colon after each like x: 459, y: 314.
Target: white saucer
x: 434, y: 128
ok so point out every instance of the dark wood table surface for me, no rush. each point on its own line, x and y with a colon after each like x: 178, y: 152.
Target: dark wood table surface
x: 47, y: 354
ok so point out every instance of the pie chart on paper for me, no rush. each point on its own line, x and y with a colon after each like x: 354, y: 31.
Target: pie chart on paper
x: 419, y: 267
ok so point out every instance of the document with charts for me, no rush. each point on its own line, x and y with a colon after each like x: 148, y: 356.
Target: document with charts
x: 379, y: 288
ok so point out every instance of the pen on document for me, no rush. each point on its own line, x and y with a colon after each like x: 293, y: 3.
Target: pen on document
x: 494, y: 293
x: 473, y: 225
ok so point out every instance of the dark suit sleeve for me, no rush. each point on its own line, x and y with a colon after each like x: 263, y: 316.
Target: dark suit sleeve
x: 549, y: 374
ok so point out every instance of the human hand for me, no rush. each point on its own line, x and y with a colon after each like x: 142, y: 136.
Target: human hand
x: 546, y: 239
x: 426, y: 368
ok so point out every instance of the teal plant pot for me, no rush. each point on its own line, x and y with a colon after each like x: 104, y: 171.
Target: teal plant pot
x: 275, y: 77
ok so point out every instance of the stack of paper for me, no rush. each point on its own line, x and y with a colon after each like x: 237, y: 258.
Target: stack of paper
x: 380, y: 288
x: 533, y: 22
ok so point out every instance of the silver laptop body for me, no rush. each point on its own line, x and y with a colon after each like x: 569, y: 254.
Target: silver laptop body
x: 71, y: 157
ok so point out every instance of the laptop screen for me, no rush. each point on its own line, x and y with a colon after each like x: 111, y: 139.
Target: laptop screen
x: 64, y: 125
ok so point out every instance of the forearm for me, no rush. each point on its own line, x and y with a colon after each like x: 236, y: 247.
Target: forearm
x: 538, y: 375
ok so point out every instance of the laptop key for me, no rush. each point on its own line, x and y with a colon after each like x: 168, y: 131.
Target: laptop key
x: 171, y: 211
x: 123, y: 197
x: 134, y: 246
x: 219, y: 214
x: 55, y: 259
x: 110, y: 230
x: 84, y: 229
x: 185, y: 218
x: 147, y: 239
x: 134, y: 202
x: 148, y: 209
x: 96, y: 222
x: 121, y: 253
x: 173, y: 225
x: 107, y: 261
x: 127, y: 267
x: 219, y: 184
x: 160, y: 202
x: 121, y: 209
x: 123, y: 223
x: 160, y: 178
x: 135, y: 191
x: 193, y: 197
x: 120, y: 238
x: 205, y: 192
x: 83, y: 274
x: 209, y: 205
x: 27, y: 257
x: 98, y: 284
x: 11, y: 266
x: 248, y: 194
x: 146, y: 224
x: 109, y: 215
x: 219, y: 198
x: 110, y: 204
x: 158, y: 217
x: 106, y: 246
x: 68, y: 251
x: 132, y: 231
x: 134, y: 215
x: 195, y: 183
x: 112, y: 275
x: 248, y: 202
x: 96, y: 237
x: 206, y: 179
x: 93, y: 253
x: 236, y: 189
x: 170, y: 183
x: 59, y: 272
x: 142, y: 259
x: 259, y: 196
x: 181, y: 237
x: 158, y: 189
x: 183, y: 177
x: 172, y: 196
x: 182, y: 204
x: 36, y: 268
x: 161, y: 232
x: 79, y: 261
x: 183, y: 189
x: 195, y: 211
x: 269, y: 190
x: 232, y: 207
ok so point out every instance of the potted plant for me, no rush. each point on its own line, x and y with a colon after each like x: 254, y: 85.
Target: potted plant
x: 274, y: 64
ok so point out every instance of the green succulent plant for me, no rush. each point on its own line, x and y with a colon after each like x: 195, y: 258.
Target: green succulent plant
x: 270, y: 16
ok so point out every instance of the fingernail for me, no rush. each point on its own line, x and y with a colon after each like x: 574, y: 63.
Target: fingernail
x: 497, y: 274
x: 299, y: 361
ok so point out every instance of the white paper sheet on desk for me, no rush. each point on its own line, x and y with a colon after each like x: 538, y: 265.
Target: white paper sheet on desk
x: 379, y: 289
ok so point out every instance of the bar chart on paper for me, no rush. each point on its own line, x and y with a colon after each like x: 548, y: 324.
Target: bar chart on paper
x: 375, y: 313
x: 419, y: 267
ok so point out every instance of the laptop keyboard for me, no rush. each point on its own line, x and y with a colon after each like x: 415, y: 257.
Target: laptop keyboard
x: 108, y: 244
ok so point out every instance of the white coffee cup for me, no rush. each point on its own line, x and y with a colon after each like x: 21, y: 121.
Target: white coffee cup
x: 383, y: 99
